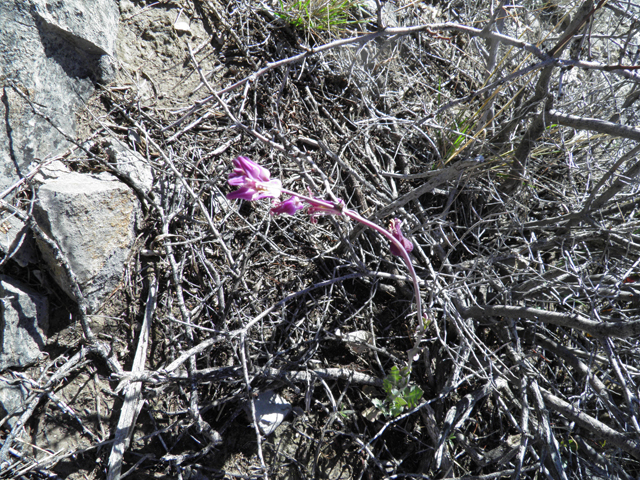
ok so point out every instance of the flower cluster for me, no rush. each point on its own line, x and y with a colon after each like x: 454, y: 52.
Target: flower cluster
x: 255, y: 183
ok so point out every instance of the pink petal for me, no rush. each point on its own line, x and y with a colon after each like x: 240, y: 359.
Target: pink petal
x: 270, y: 189
x: 290, y: 206
x: 395, y: 229
x: 254, y: 181
x: 250, y: 169
x: 243, y: 193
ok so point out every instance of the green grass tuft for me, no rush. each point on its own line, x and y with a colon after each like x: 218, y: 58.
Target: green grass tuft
x: 319, y: 14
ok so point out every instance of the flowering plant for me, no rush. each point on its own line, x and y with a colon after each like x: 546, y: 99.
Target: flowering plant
x: 255, y: 183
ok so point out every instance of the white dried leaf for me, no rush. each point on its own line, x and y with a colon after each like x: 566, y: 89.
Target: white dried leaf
x: 357, y: 339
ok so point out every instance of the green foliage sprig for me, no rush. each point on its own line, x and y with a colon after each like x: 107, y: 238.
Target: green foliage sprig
x: 400, y: 395
x: 318, y: 14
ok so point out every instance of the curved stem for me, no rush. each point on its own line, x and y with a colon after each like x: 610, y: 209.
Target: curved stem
x: 333, y: 208
x: 314, y: 201
x: 405, y: 256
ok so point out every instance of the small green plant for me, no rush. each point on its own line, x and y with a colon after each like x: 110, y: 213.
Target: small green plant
x: 451, y: 140
x: 570, y: 444
x: 345, y: 413
x: 400, y: 395
x: 460, y: 134
x: 318, y: 14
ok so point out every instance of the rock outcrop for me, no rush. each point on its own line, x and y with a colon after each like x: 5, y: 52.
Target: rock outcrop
x: 24, y: 318
x: 92, y: 220
x: 52, y: 55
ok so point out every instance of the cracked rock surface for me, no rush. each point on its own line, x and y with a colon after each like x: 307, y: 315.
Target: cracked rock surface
x: 92, y: 219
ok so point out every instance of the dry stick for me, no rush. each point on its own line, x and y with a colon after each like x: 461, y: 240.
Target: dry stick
x: 440, y: 177
x: 499, y: 455
x: 205, y: 212
x: 583, y: 16
x: 211, y: 8
x: 57, y: 457
x: 393, y: 32
x: 220, y: 373
x: 426, y: 186
x: 570, y: 359
x: 600, y: 430
x: 201, y: 347
x: 252, y: 406
x: 329, y: 423
x: 492, y: 476
x: 537, y: 126
x: 133, y: 391
x: 524, y: 426
x: 64, y: 408
x: 593, y: 204
x: 344, y: 374
x: 630, y: 398
x: 594, y: 124
x: 492, y: 47
x: 351, y: 214
x: 550, y: 440
x: 338, y: 208
x: 458, y: 414
x: 625, y: 71
x: 271, y: 66
x: 349, y: 169
x: 433, y: 430
x: 35, y: 170
x: 379, y: 15
x: 500, y: 384
x: 626, y: 13
x: 609, y: 463
x: 617, y: 185
x: 570, y: 320
x: 194, y: 409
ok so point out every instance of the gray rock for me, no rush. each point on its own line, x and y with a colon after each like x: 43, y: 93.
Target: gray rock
x: 25, y: 321
x: 131, y: 164
x: 11, y: 401
x: 271, y: 410
x: 49, y: 171
x: 16, y: 240
x: 389, y: 17
x: 357, y: 341
x: 92, y: 220
x: 91, y: 26
x: 49, y: 53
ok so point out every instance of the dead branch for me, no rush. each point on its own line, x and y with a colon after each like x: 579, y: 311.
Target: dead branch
x: 572, y: 320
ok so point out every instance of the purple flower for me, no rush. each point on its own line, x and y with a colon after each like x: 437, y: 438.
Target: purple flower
x: 254, y: 181
x: 394, y: 228
x: 290, y: 206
